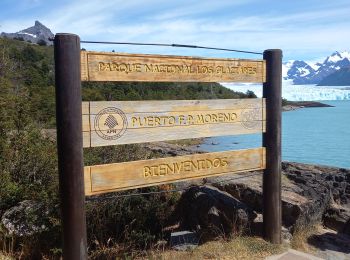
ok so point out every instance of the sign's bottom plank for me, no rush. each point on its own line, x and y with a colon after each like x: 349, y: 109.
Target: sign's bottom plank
x: 130, y: 175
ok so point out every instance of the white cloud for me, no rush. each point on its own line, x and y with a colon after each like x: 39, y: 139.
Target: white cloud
x: 315, y: 31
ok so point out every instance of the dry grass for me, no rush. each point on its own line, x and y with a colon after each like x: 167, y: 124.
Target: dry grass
x: 301, y: 236
x: 237, y: 248
x: 5, y: 256
x: 241, y: 247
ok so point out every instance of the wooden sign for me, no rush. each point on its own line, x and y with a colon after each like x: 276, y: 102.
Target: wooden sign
x: 130, y: 175
x: 110, y: 66
x: 124, y: 122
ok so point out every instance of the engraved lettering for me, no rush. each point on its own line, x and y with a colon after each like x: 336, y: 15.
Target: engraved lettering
x: 175, y: 68
x: 181, y: 119
x: 146, y: 171
x: 148, y: 67
x: 216, y: 163
x: 196, y: 118
x: 184, y: 167
x: 224, y: 162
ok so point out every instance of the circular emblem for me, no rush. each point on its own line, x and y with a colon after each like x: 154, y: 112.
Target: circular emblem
x: 110, y: 123
x: 251, y: 117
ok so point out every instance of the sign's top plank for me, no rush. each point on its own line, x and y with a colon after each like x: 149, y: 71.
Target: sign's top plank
x: 110, y: 66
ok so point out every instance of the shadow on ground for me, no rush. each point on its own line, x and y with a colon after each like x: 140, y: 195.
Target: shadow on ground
x: 331, y: 242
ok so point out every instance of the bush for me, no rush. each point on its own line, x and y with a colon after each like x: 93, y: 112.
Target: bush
x: 134, y: 222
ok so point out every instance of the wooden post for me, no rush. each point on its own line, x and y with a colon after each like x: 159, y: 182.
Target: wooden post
x: 70, y: 145
x: 272, y: 91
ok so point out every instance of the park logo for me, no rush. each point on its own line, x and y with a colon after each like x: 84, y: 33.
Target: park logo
x: 110, y: 123
x: 251, y: 117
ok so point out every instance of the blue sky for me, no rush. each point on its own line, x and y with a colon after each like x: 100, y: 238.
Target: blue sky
x: 303, y: 29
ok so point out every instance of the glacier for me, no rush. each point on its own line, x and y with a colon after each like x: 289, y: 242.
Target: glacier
x: 297, y: 92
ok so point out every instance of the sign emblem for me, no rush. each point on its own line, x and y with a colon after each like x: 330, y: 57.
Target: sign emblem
x: 110, y: 123
x: 251, y: 117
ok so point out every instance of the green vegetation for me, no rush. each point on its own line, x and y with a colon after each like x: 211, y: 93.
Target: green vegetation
x: 157, y: 91
x: 28, y: 162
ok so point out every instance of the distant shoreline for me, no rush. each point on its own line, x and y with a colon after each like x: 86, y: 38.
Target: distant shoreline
x: 294, y: 105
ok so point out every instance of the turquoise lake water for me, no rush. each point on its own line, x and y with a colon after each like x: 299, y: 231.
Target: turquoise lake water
x: 309, y: 135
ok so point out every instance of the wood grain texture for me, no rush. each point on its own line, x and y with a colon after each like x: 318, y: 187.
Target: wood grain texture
x: 125, y: 122
x: 272, y: 140
x: 110, y: 66
x: 69, y: 145
x: 130, y: 175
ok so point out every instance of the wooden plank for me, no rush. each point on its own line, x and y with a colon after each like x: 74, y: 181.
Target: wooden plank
x: 110, y: 66
x: 125, y: 122
x: 86, y: 139
x: 149, y: 106
x: 83, y: 64
x: 130, y: 175
x: 86, y: 123
x: 85, y: 106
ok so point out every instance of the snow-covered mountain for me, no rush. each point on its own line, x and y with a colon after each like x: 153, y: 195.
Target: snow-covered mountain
x: 38, y: 34
x: 301, y: 72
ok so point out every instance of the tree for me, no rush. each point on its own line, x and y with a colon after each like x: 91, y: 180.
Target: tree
x: 250, y: 94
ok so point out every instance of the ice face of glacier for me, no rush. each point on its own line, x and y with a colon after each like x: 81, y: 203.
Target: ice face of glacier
x: 298, y: 92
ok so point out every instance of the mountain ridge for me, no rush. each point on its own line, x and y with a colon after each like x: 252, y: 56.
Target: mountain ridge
x: 38, y: 34
x: 339, y: 78
x: 303, y: 73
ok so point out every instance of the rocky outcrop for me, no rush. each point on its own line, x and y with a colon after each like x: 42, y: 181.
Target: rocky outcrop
x: 337, y: 218
x: 212, y: 213
x: 297, y: 209
x: 310, y: 194
x: 320, y: 179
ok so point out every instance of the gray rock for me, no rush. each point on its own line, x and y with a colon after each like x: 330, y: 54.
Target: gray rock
x: 212, y: 213
x: 337, y: 218
x: 307, y: 191
x: 295, y: 207
x: 26, y: 219
x: 183, y: 240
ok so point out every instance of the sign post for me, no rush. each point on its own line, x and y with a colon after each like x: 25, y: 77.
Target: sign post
x: 100, y: 123
x: 70, y: 145
x: 272, y: 91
